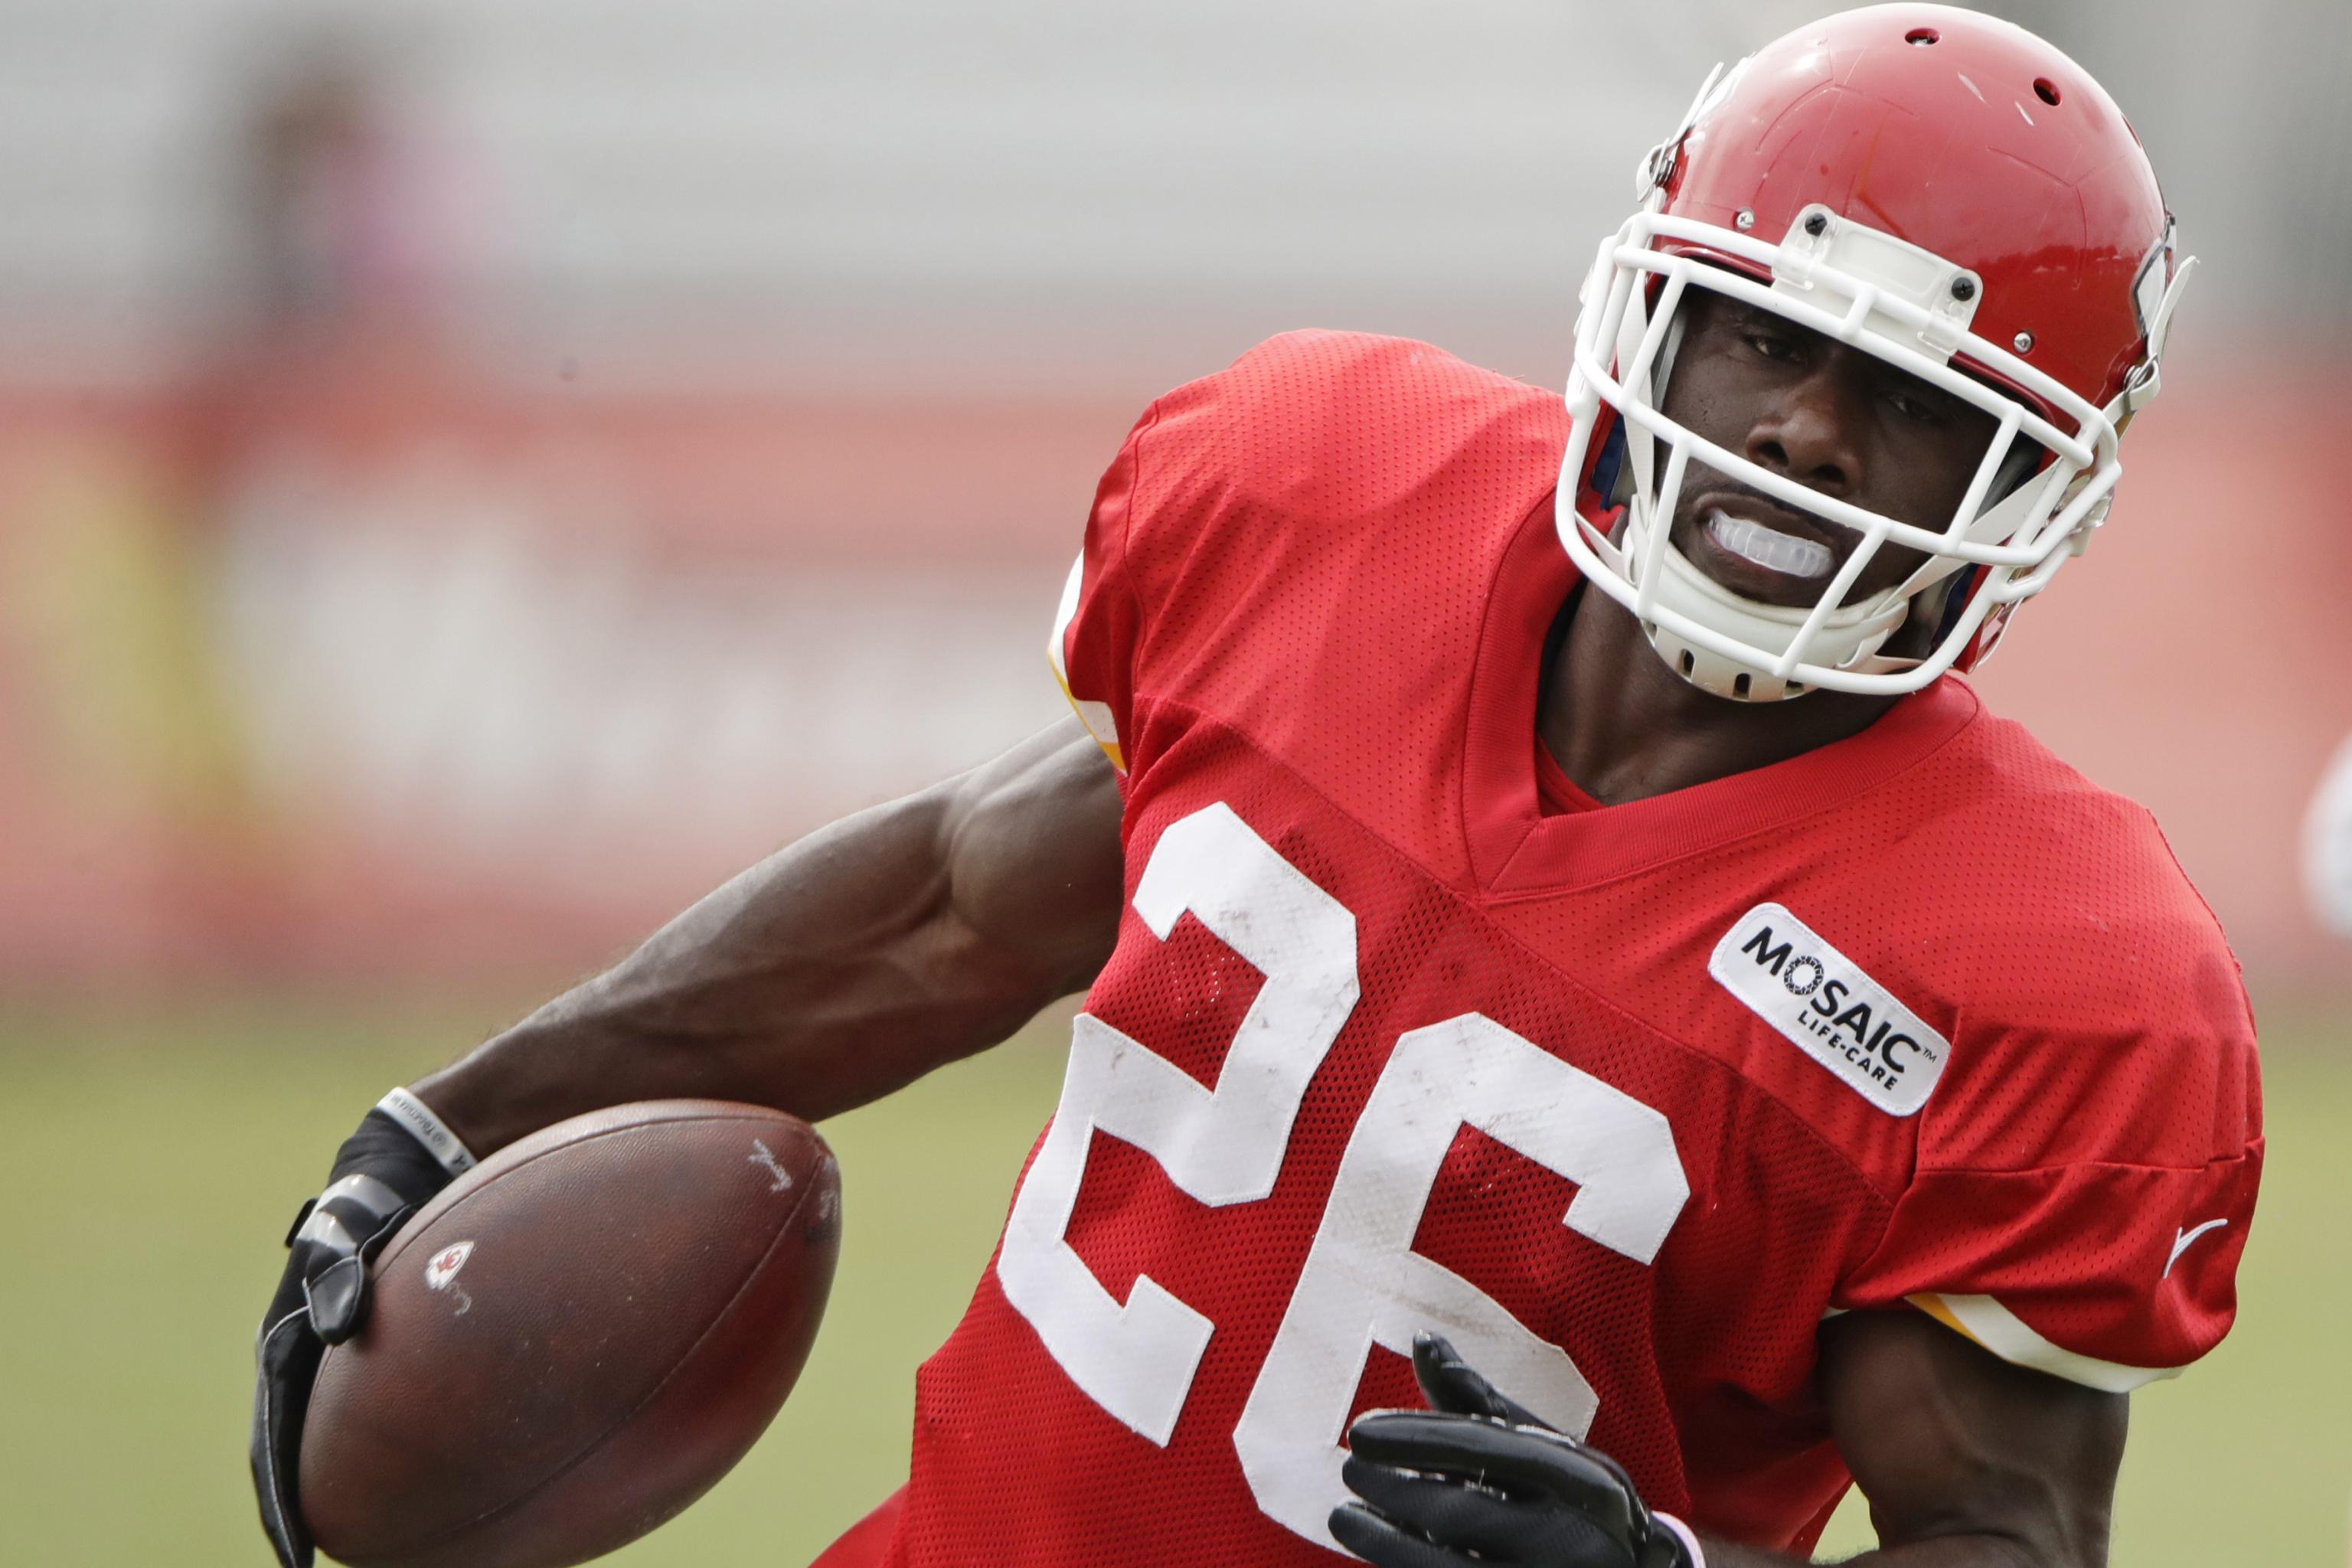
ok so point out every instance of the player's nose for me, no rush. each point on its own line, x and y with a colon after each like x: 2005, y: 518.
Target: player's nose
x: 1811, y: 431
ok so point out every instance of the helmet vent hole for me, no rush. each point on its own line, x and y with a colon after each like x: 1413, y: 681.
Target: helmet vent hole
x: 1740, y: 687
x: 1689, y: 663
x: 2046, y: 90
x: 1921, y: 37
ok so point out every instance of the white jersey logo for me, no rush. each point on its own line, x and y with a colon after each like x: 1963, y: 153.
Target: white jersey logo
x: 2180, y: 1240
x: 1828, y: 1008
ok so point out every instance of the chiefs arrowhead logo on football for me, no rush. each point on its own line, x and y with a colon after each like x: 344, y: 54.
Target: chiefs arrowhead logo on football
x: 1823, y: 1004
x: 442, y: 1271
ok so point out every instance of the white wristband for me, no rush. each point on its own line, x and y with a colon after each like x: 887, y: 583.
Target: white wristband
x: 1690, y: 1540
x: 429, y: 1129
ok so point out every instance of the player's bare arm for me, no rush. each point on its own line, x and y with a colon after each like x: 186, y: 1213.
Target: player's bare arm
x: 841, y: 968
x: 1965, y: 1459
x: 834, y: 972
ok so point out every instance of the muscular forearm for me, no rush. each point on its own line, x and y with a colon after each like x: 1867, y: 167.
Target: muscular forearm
x: 798, y: 985
x: 839, y: 969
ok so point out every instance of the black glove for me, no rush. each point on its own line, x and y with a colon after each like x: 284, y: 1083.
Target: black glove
x: 1477, y: 1479
x: 401, y: 1156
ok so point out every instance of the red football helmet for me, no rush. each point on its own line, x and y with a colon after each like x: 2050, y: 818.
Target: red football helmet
x: 1945, y: 191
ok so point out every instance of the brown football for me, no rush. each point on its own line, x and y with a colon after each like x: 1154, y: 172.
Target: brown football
x: 574, y: 1340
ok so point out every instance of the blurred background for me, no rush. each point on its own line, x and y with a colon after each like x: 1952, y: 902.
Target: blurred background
x: 471, y: 477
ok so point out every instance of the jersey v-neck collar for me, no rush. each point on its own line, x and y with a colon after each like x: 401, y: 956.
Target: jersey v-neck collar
x: 1557, y: 795
x: 1517, y: 849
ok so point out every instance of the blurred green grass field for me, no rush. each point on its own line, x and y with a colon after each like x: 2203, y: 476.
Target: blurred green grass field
x: 149, y: 1163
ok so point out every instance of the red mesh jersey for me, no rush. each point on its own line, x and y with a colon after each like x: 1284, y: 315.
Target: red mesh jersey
x: 1623, y: 1100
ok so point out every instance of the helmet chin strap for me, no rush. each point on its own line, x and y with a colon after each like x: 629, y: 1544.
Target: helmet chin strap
x: 1847, y: 638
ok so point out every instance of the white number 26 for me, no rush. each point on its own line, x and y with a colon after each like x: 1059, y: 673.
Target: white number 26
x: 1362, y: 1283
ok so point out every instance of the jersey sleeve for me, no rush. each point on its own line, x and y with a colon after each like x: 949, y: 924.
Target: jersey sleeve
x: 1246, y: 507
x: 2110, y: 1260
x: 1181, y: 537
x: 1098, y: 624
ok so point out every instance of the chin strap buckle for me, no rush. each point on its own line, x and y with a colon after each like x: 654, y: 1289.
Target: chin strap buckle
x: 2147, y: 378
x: 1657, y: 165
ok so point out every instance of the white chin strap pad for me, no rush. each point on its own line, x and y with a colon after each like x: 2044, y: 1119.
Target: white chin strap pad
x: 1713, y: 673
x: 1846, y: 639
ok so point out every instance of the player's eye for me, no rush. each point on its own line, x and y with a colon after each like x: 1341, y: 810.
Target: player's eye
x: 1919, y: 405
x: 1776, y: 346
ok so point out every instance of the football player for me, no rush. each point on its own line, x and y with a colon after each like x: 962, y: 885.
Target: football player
x: 1595, y: 1039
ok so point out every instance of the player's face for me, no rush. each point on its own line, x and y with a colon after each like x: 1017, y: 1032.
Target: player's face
x: 1833, y: 419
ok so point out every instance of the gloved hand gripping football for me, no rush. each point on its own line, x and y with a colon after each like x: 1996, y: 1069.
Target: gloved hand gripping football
x: 1477, y: 1479
x: 401, y: 1155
